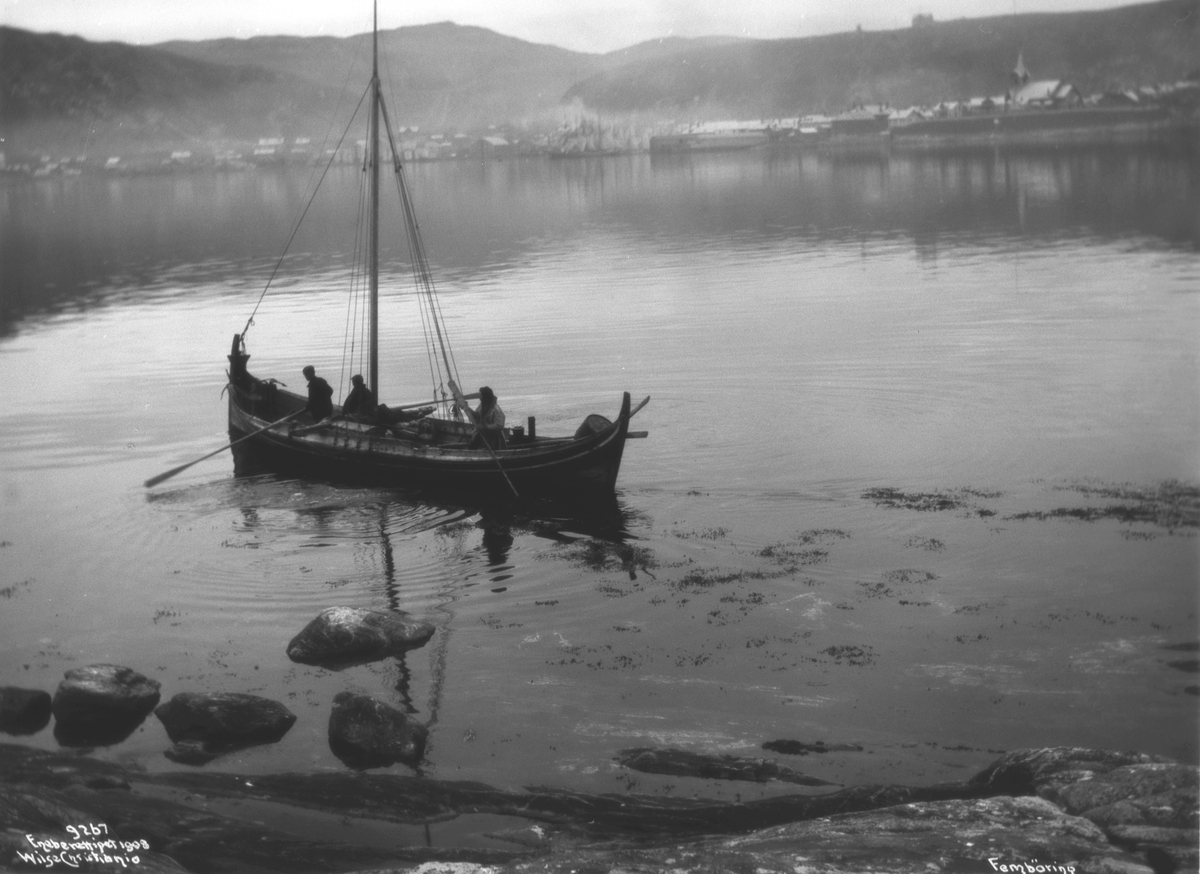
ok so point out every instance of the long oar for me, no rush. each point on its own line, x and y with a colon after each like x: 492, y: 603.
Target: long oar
x: 155, y: 480
x: 433, y: 403
x: 634, y: 411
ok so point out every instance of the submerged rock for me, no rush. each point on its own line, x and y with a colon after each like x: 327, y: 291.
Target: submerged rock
x: 344, y: 636
x: 800, y: 748
x: 23, y: 711
x: 101, y: 704
x: 365, y: 733
x: 206, y: 726
x: 712, y: 767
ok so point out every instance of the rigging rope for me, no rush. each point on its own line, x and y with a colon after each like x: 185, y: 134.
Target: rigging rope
x: 353, y: 319
x: 300, y: 220
x: 427, y: 293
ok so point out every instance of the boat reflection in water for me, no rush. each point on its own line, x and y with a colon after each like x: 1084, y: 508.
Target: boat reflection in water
x: 390, y: 534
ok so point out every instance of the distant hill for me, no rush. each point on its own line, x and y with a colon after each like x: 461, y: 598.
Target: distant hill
x: 923, y: 65
x: 444, y: 75
x: 65, y: 93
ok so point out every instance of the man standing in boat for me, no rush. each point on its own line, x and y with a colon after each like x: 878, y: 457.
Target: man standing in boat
x: 489, y: 422
x: 320, y: 395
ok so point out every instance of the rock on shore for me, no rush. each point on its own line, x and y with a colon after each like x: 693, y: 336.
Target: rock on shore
x: 1005, y: 821
x: 1145, y: 803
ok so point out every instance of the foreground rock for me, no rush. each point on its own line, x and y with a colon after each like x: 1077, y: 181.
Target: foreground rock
x: 883, y: 829
x: 206, y: 726
x: 345, y: 636
x: 909, y: 839
x: 101, y: 704
x: 365, y: 733
x: 683, y: 763
x: 42, y: 794
x: 23, y: 711
x: 1145, y: 803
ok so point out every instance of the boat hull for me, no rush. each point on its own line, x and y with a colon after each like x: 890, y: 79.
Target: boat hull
x: 353, y: 452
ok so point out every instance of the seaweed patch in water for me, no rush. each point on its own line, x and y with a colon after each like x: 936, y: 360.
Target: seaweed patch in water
x: 15, y: 589
x: 602, y: 555
x: 930, y: 544
x: 851, y: 655
x: 876, y: 590
x: 822, y: 535
x: 956, y: 499
x: 1169, y: 505
x: 781, y: 553
x: 701, y: 579
x: 703, y: 534
x: 909, y: 575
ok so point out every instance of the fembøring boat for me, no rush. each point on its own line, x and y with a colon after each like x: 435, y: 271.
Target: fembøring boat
x: 426, y: 444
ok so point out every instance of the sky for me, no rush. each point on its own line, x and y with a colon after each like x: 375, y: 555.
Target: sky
x: 582, y: 25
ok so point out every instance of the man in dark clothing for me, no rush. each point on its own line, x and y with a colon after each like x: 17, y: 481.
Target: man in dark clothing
x: 320, y: 395
x: 359, y: 402
x: 489, y: 422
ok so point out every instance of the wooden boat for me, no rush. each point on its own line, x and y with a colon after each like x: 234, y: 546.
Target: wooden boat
x: 430, y: 448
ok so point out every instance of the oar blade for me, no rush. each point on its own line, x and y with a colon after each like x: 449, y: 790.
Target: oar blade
x: 163, y: 477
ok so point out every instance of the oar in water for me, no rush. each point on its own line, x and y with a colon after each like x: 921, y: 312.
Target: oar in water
x: 634, y: 411
x: 155, y: 480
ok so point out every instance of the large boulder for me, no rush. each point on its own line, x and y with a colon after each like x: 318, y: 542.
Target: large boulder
x: 365, y: 733
x: 1144, y: 802
x: 23, y: 711
x: 206, y: 726
x: 344, y: 636
x: 101, y: 704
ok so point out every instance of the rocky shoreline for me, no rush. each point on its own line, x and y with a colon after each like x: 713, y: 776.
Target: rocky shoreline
x: 1047, y: 811
x: 1060, y: 810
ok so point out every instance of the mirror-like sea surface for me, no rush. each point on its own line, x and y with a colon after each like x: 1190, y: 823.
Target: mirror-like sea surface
x: 924, y: 443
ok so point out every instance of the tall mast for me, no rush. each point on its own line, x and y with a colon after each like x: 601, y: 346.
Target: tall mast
x: 373, y: 233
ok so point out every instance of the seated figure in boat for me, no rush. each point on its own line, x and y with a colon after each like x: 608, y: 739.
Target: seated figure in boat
x: 320, y: 395
x: 489, y: 422
x: 359, y: 404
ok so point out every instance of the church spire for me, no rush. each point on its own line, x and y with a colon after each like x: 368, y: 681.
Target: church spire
x: 1020, y: 75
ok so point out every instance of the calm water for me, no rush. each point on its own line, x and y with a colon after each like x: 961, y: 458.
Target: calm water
x: 1017, y: 335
